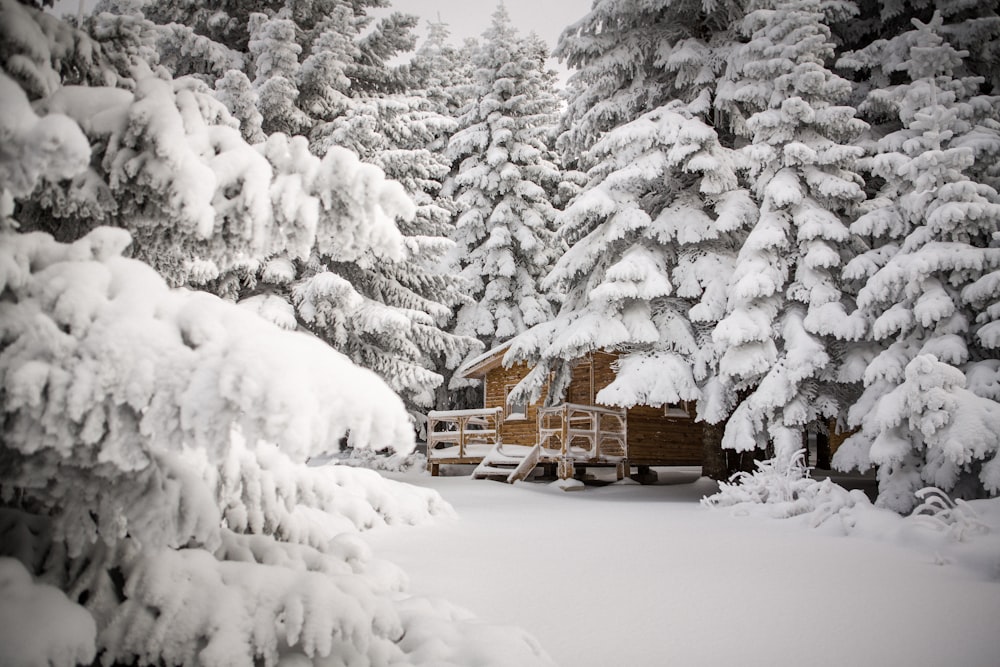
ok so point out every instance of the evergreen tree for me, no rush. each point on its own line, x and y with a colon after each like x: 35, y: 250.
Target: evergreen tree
x: 320, y: 68
x: 503, y: 186
x: 276, y: 65
x: 629, y: 58
x: 929, y: 411
x: 786, y: 299
x: 154, y: 439
x: 653, y: 234
x: 441, y: 72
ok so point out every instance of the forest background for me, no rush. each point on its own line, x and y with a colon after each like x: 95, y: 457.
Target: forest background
x: 784, y: 212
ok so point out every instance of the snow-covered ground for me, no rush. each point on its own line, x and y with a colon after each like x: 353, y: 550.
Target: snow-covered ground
x: 645, y: 575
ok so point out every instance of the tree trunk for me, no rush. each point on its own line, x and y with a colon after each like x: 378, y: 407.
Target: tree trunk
x: 822, y: 451
x: 714, y: 461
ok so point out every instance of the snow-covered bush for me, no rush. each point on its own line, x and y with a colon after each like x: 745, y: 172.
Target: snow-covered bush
x: 782, y: 489
x: 955, y: 517
x: 386, y: 461
x: 153, y: 449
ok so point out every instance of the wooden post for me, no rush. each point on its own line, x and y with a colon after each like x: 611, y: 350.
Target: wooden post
x: 565, y: 432
x: 593, y: 393
x: 621, y: 470
x: 461, y: 437
x: 595, y: 420
x: 566, y: 469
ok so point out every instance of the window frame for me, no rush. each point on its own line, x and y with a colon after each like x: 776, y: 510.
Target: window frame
x: 508, y: 414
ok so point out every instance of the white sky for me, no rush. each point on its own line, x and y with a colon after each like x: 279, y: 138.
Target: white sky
x: 469, y: 18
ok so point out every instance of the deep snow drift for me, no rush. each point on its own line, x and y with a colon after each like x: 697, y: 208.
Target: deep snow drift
x: 646, y: 575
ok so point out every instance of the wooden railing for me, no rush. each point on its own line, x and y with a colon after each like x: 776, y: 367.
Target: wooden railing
x: 585, y: 432
x: 461, y: 428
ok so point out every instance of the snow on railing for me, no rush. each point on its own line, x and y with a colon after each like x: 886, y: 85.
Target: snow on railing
x: 564, y: 427
x: 451, y: 432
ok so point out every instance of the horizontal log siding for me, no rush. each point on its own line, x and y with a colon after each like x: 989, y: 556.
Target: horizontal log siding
x: 512, y: 431
x: 657, y: 440
x: 653, y: 438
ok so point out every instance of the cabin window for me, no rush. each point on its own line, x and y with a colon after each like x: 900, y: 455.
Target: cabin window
x: 679, y: 410
x: 515, y: 410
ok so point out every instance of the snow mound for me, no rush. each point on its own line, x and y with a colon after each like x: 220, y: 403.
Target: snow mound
x: 24, y: 607
x: 949, y: 531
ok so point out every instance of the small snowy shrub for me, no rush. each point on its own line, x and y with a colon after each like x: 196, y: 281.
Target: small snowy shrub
x: 388, y: 461
x: 956, y: 517
x: 782, y: 490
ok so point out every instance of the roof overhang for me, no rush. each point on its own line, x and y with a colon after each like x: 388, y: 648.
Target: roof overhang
x: 478, y: 367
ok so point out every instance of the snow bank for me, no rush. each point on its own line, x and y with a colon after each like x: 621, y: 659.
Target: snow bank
x: 948, y: 531
x: 25, y: 607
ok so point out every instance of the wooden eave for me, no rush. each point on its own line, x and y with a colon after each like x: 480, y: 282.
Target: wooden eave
x: 479, y: 367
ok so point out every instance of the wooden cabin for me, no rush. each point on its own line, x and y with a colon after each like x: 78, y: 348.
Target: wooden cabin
x: 506, y: 439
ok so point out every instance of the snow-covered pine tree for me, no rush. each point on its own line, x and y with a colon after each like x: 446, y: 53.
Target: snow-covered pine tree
x: 929, y: 412
x: 404, y: 135
x: 652, y: 243
x: 654, y: 233
x: 317, y: 54
x: 504, y: 184
x: 153, y: 445
x: 236, y: 91
x: 262, y: 224
x: 325, y: 81
x: 628, y: 58
x: 785, y: 299
x: 275, y: 55
x: 442, y: 72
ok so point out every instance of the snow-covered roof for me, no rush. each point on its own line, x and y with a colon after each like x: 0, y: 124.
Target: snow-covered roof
x: 477, y: 367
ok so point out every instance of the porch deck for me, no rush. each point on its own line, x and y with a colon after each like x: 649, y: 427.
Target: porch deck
x: 568, y: 434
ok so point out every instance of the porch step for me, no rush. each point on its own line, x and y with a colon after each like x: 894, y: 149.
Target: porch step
x: 501, y: 463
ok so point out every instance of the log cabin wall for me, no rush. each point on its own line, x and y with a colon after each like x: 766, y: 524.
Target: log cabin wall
x: 657, y: 439
x: 654, y: 438
x: 513, y: 431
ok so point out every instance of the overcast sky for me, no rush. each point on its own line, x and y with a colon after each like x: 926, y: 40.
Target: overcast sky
x: 469, y: 18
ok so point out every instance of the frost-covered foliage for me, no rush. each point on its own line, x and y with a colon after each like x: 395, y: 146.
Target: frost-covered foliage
x: 35, y: 148
x: 307, y: 59
x: 947, y: 531
x: 276, y: 65
x: 268, y: 222
x: 785, y: 489
x: 39, y: 51
x: 654, y: 232
x: 319, y: 69
x: 442, y: 73
x: 100, y: 355
x: 930, y: 294
x: 651, y: 249
x: 629, y: 58
x: 786, y: 297
x: 954, y: 517
x: 175, y: 426
x: 504, y: 185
